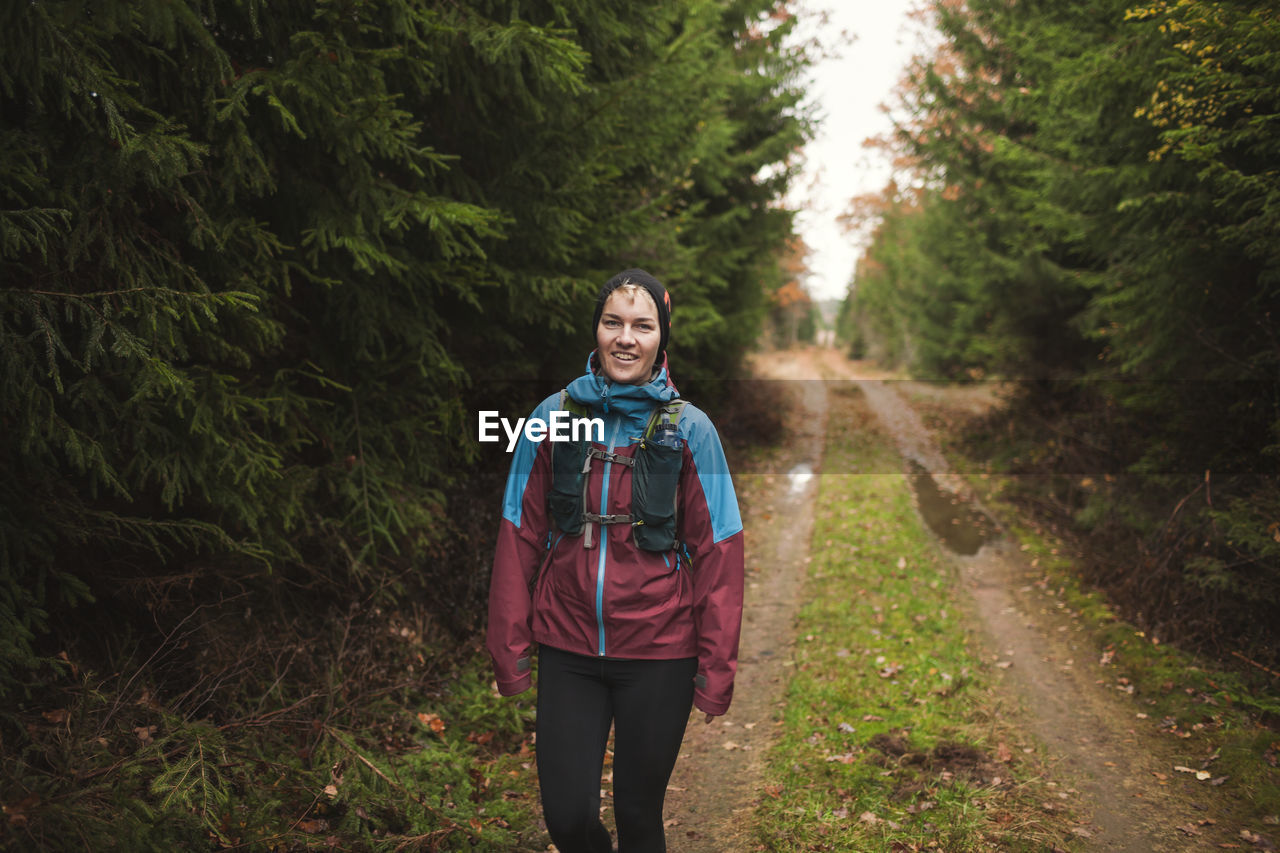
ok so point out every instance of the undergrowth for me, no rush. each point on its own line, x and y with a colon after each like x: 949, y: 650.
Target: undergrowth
x: 377, y: 734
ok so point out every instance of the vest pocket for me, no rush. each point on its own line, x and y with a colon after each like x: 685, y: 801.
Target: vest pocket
x: 653, y: 495
x: 564, y: 498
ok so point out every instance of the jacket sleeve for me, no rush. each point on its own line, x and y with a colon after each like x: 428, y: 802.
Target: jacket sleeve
x: 711, y: 527
x: 522, y: 543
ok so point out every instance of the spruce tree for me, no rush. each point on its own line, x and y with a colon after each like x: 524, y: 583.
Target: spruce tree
x: 261, y: 262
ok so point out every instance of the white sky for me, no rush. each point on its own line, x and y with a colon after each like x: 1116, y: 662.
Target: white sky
x: 849, y: 89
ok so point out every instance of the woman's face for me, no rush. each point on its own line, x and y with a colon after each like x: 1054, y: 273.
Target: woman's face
x: 628, y: 336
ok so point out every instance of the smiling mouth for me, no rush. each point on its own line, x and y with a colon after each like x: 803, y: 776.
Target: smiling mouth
x: 626, y: 356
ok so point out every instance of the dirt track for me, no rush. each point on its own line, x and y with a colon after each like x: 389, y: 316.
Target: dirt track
x: 716, y: 781
x: 1056, y: 689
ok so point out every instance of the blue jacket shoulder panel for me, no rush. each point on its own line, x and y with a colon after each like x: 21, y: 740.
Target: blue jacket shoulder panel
x: 713, y: 471
x: 522, y: 463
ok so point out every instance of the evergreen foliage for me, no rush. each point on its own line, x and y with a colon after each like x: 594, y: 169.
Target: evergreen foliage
x: 260, y: 259
x: 260, y: 263
x: 1094, y: 200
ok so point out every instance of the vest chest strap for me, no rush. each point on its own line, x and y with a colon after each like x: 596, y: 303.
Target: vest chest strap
x: 609, y: 519
x: 607, y: 456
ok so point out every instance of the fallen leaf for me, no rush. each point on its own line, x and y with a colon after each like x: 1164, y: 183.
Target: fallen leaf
x: 431, y: 721
x: 331, y: 791
x: 1003, y: 753
x: 57, y: 716
x: 313, y: 826
x: 1187, y: 829
x: 730, y: 745
x: 1250, y: 836
x: 868, y: 817
x: 1081, y: 831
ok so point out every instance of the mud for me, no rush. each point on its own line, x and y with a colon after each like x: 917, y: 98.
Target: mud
x: 962, y: 527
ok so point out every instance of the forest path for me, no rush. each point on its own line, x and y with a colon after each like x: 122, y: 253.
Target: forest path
x: 717, y: 780
x: 1053, y: 683
x: 1050, y: 670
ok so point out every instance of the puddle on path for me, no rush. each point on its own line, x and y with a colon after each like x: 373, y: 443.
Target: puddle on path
x: 800, y: 476
x: 962, y: 527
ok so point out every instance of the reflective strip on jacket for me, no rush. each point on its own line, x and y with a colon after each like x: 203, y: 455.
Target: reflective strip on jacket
x: 616, y: 600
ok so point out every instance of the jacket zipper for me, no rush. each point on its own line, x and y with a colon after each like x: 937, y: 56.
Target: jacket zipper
x: 603, y: 544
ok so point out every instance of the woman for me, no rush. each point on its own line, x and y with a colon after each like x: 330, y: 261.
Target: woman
x: 626, y: 576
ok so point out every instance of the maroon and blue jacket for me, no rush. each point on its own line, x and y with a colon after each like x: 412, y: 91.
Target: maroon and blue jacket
x: 615, y: 599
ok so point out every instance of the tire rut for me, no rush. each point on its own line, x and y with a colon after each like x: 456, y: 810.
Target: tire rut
x: 718, y: 779
x: 1093, y: 744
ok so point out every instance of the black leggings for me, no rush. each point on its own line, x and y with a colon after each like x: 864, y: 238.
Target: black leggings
x: 648, y: 701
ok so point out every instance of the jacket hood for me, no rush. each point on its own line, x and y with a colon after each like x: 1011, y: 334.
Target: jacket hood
x: 596, y: 391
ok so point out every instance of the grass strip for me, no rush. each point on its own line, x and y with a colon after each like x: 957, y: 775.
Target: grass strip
x: 891, y: 737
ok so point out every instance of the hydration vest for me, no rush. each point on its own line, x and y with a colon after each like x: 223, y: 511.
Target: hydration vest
x: 656, y: 472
